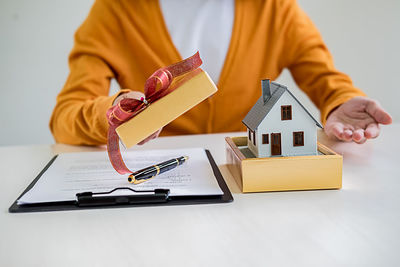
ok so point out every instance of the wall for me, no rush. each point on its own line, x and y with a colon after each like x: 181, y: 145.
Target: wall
x: 364, y: 38
x: 36, y: 37
x: 300, y: 121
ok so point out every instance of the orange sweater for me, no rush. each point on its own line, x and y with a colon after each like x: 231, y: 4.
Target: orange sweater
x: 128, y: 40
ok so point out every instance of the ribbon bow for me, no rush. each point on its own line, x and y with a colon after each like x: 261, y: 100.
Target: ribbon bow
x: 156, y: 86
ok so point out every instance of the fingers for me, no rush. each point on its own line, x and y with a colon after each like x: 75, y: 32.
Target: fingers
x: 156, y: 134
x: 133, y: 94
x: 372, y: 131
x: 151, y: 137
x: 339, y: 131
x: 336, y: 130
x: 144, y: 141
x: 358, y: 136
x: 378, y: 113
x: 347, y: 135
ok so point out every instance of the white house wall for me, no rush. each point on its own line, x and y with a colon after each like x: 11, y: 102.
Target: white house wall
x: 250, y: 144
x: 300, y: 122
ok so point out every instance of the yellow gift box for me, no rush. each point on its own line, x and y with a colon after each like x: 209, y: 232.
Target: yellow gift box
x: 189, y: 90
x: 322, y: 171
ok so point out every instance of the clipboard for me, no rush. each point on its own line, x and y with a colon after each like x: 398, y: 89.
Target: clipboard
x: 101, y: 200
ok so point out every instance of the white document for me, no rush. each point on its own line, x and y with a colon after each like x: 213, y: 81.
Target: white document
x: 73, y: 173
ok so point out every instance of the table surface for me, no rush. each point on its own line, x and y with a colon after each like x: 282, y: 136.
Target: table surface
x: 357, y: 225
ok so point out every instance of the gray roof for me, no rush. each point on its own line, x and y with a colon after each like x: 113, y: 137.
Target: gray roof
x: 260, y: 110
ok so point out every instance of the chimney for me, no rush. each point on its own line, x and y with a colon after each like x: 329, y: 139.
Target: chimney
x: 266, y: 89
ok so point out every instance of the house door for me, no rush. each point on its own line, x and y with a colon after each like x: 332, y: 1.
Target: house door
x: 276, y: 144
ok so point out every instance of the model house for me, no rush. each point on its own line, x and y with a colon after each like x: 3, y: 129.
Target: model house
x: 279, y: 125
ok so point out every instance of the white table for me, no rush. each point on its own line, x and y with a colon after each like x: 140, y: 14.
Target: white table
x: 355, y: 226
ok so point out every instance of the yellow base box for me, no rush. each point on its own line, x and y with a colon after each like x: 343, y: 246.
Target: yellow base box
x: 322, y: 171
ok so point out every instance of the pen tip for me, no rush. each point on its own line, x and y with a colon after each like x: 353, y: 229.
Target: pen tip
x: 186, y: 158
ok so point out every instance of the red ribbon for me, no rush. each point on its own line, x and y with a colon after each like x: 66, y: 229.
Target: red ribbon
x: 129, y: 107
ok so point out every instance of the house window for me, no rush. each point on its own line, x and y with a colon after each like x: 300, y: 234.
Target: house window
x: 286, y: 113
x: 298, y: 138
x: 254, y: 137
x: 265, y: 139
x: 249, y: 135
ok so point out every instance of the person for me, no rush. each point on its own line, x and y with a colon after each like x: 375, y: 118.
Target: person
x: 241, y: 42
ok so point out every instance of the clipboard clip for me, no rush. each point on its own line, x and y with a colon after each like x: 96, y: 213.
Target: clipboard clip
x: 85, y: 199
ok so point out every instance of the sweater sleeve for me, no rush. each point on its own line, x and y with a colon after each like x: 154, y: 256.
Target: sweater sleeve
x: 311, y: 64
x: 79, y: 116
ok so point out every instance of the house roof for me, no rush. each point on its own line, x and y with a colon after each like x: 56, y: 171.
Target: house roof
x: 260, y: 110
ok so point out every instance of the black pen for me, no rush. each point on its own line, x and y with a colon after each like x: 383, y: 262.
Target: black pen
x: 150, y: 172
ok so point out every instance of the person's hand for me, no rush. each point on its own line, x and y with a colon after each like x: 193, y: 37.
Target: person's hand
x: 137, y: 95
x: 356, y: 120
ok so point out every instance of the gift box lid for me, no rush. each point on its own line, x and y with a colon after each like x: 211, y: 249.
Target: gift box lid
x: 188, y: 91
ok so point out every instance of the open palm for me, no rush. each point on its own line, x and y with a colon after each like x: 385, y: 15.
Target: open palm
x: 356, y: 120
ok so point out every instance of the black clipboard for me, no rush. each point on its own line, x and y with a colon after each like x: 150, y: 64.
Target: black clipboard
x: 159, y: 197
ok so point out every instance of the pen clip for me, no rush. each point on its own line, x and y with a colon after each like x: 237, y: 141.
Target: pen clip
x: 140, y: 197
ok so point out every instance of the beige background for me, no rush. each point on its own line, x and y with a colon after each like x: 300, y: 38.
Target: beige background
x: 36, y: 37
